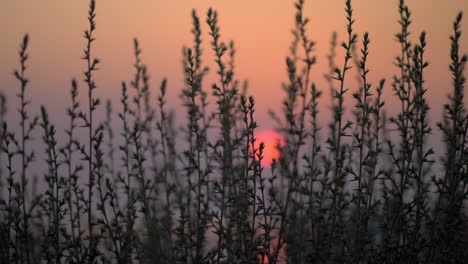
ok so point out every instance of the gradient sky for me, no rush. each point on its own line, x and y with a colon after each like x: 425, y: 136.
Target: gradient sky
x: 260, y: 29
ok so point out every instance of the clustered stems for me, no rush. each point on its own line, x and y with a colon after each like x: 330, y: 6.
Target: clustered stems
x: 339, y: 127
x: 193, y: 98
x: 362, y: 192
x: 225, y: 97
x: 128, y: 213
x: 167, y: 147
x: 54, y: 204
x: 311, y: 160
x: 361, y: 137
x: 403, y: 88
x: 10, y: 250
x: 403, y: 224
x: 449, y: 218
x: 74, y: 192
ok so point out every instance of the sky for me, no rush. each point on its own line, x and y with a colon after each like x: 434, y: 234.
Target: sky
x: 259, y: 28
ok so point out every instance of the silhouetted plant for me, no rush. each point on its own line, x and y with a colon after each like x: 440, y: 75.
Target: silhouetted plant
x: 449, y: 221
x: 154, y: 193
x: 23, y: 232
x: 54, y: 203
x: 93, y: 103
x: 74, y: 193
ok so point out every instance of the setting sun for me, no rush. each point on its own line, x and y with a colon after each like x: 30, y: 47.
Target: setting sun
x: 270, y: 139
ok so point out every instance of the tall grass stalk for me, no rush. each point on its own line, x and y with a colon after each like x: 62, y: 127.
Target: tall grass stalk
x: 27, y: 126
x: 340, y: 129
x: 93, y: 103
x: 74, y: 191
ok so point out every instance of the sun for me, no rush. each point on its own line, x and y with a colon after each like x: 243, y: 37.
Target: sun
x: 270, y: 139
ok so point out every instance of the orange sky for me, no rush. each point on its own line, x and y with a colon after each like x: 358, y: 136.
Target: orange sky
x: 260, y: 29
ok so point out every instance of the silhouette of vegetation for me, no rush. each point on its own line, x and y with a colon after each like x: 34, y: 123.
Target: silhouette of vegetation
x: 371, y: 191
